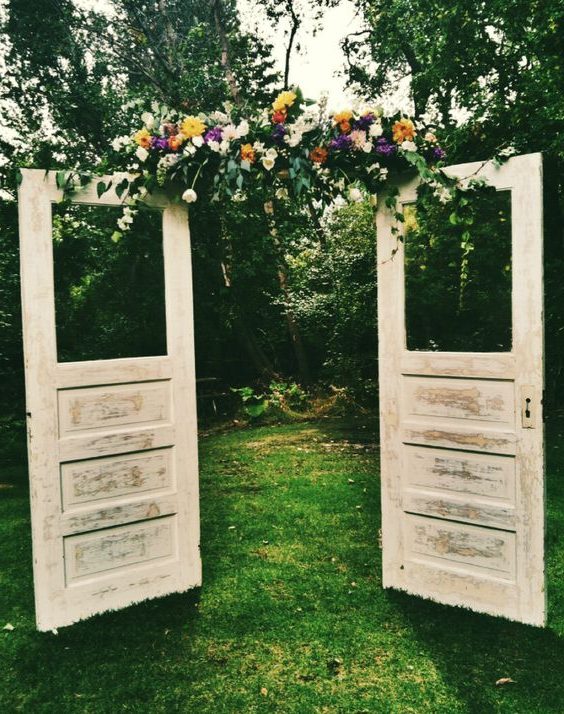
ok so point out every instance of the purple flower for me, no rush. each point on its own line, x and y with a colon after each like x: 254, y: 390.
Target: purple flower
x: 384, y: 148
x: 364, y: 122
x: 341, y: 143
x: 278, y: 133
x: 159, y: 142
x: 438, y: 153
x: 214, y: 134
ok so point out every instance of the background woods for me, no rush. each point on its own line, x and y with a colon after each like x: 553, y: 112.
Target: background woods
x: 298, y: 305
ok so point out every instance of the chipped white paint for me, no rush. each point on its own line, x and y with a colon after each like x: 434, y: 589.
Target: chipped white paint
x: 462, y: 460
x: 112, y: 444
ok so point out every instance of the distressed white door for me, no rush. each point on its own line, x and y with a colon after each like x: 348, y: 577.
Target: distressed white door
x: 462, y: 432
x: 112, y: 444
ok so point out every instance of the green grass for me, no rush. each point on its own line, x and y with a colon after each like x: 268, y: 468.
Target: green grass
x: 292, y: 604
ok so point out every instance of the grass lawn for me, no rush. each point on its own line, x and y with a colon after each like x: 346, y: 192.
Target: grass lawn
x: 292, y: 616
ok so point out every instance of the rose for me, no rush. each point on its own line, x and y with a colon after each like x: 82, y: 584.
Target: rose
x: 198, y: 141
x: 355, y: 194
x: 190, y: 196
x: 141, y: 153
x: 148, y: 119
x: 409, y: 146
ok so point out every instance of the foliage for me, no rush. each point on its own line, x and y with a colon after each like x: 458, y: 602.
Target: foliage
x: 279, y: 400
x: 455, y: 261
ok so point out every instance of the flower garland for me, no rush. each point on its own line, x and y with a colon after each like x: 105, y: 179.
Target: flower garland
x: 292, y: 150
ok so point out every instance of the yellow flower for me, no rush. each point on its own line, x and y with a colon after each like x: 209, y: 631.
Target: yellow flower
x: 403, y: 130
x: 192, y: 126
x: 143, y: 138
x: 283, y: 100
x: 344, y: 116
x: 248, y: 153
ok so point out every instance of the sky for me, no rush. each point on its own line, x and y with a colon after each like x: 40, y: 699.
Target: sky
x: 317, y: 67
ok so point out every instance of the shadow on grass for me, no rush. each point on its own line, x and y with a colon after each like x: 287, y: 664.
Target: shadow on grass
x: 473, y: 651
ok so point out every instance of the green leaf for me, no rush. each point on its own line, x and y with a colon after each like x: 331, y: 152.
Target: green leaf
x: 61, y: 179
x: 122, y: 187
x: 453, y: 218
x: 246, y: 165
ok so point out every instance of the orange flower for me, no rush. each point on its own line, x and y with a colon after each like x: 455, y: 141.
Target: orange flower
x: 174, y: 142
x: 403, y: 130
x: 345, y: 126
x: 248, y: 153
x: 279, y: 117
x: 345, y: 115
x: 318, y: 155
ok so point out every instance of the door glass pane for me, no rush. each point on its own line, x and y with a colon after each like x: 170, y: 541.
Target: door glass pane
x: 458, y: 276
x: 109, y: 297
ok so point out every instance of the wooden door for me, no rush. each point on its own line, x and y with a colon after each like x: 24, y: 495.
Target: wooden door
x: 112, y: 443
x: 462, y: 432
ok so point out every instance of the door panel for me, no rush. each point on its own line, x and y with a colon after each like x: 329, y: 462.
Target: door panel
x: 112, y: 443
x: 462, y: 432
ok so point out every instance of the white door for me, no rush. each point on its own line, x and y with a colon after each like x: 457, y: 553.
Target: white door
x: 112, y: 444
x: 462, y: 432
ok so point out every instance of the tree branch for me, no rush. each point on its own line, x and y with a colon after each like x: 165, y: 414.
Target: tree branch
x: 293, y: 31
x: 225, y: 52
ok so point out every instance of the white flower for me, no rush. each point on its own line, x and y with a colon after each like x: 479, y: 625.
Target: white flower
x: 375, y: 130
x: 219, y: 117
x: 355, y: 194
x: 383, y: 174
x: 272, y: 153
x: 281, y: 193
x: 189, y: 150
x: 443, y: 194
x: 367, y: 147
x: 430, y: 137
x: 242, y: 129
x: 214, y: 146
x: 198, y: 141
x: 239, y: 197
x: 258, y: 146
x: 190, y: 196
x: 293, y: 139
x: 268, y: 162
x: 373, y: 167
x: 224, y: 147
x: 120, y: 141
x: 148, y: 119
x: 409, y: 146
x: 141, y: 153
x: 507, y: 152
x: 230, y: 132
x: 167, y: 161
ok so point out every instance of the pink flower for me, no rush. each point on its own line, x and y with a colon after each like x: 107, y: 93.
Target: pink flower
x: 358, y: 137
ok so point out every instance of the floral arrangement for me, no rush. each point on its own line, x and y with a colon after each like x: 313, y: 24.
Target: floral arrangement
x: 293, y: 149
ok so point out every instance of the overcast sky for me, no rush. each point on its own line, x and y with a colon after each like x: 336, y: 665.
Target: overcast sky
x: 315, y: 69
